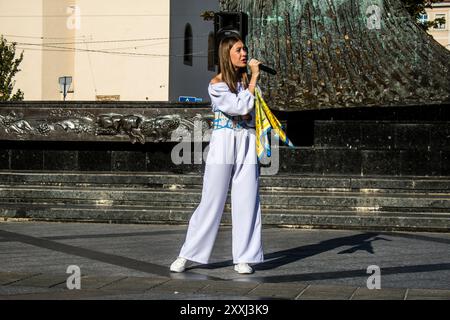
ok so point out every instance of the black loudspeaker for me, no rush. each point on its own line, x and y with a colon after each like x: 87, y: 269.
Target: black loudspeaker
x: 226, y: 24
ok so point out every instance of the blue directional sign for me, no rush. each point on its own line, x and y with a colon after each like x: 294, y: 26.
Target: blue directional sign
x: 189, y: 99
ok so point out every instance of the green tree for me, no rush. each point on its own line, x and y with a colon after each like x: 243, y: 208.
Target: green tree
x: 9, y: 66
x: 417, y: 8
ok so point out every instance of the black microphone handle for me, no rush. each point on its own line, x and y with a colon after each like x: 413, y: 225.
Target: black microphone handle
x: 267, y: 69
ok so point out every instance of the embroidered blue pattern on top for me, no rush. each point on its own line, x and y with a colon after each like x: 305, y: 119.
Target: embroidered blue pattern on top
x: 224, y: 121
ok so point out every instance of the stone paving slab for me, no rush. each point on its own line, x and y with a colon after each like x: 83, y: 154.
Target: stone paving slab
x: 427, y: 294
x: 182, y: 286
x: 42, y: 280
x: 94, y: 282
x: 326, y: 292
x: 379, y: 294
x: 61, y: 295
x: 278, y: 290
x: 10, y: 277
x: 230, y: 287
x: 135, y: 284
x: 8, y: 291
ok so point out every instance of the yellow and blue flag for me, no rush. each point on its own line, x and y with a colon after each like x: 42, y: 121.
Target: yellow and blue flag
x: 265, y: 122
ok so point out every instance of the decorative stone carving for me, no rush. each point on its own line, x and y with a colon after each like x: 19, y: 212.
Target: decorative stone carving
x: 13, y: 123
x: 60, y: 124
x: 159, y: 128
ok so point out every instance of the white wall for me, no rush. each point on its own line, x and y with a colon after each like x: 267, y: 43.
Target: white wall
x: 190, y: 80
x: 56, y: 62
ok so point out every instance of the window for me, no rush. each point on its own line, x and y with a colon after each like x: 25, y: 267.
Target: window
x: 211, y: 44
x: 187, y: 57
x: 440, y: 26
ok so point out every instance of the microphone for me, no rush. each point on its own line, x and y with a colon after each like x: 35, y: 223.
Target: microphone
x: 267, y: 69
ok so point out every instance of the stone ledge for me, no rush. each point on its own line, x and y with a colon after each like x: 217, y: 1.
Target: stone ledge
x: 53, y: 122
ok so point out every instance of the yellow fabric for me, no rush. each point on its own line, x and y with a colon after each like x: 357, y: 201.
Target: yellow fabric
x: 265, y: 122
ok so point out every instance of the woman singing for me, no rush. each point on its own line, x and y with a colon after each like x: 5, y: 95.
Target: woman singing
x: 231, y: 157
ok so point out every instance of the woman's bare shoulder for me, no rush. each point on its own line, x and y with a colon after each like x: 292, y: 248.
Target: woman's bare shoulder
x: 216, y: 79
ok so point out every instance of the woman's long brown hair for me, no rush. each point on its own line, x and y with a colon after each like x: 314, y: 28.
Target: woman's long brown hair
x: 229, y: 74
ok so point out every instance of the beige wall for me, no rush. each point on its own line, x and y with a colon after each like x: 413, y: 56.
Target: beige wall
x: 441, y: 35
x: 133, y: 77
x: 56, y: 63
x: 23, y: 18
x: 96, y: 26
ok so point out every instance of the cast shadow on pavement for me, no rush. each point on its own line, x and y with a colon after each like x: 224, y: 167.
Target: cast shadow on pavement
x: 279, y: 258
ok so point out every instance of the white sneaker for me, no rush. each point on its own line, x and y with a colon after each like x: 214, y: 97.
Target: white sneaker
x: 243, y: 268
x: 178, y: 265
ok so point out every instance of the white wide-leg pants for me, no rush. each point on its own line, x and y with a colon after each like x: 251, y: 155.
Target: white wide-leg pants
x: 231, y: 157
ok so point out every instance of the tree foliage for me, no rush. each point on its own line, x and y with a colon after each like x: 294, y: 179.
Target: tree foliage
x: 9, y: 66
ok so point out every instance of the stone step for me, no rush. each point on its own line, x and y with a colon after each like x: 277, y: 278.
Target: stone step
x: 168, y: 180
x: 267, y: 188
x: 87, y: 203
x: 190, y: 209
x: 344, y: 220
x: 291, y: 198
x: 301, y: 200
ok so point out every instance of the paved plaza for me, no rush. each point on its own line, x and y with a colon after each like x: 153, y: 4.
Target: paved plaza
x: 130, y: 261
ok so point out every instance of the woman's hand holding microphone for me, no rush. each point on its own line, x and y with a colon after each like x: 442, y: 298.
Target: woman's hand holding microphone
x: 254, y: 67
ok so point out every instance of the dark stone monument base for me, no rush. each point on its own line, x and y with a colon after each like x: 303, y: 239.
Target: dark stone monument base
x: 92, y: 156
x: 383, y: 168
x: 156, y: 157
x: 400, y: 141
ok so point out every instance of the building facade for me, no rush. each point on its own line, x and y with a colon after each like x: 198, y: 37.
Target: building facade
x: 442, y: 32
x: 191, y: 48
x: 131, y: 51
